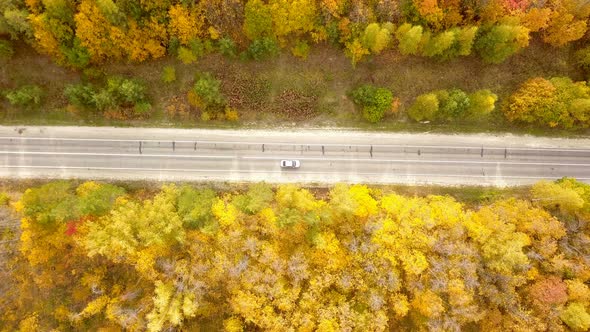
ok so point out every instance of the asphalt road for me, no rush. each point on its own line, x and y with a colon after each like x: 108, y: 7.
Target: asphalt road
x: 326, y: 156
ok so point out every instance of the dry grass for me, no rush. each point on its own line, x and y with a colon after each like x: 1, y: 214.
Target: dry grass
x: 288, y: 91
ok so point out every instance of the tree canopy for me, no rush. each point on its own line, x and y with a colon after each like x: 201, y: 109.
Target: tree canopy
x: 356, y: 258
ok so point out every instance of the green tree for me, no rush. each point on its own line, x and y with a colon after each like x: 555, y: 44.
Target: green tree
x: 465, y: 38
x: 76, y: 56
x: 376, y: 38
x: 409, y: 38
x: 111, y: 11
x: 263, y: 48
x: 4, y: 199
x: 439, y: 44
x: 481, y: 103
x: 126, y: 91
x: 50, y: 204
x: 97, y: 199
x: 258, y: 197
x: 200, y: 47
x: 208, y: 90
x: 450, y: 43
x: 498, y: 42
x: 194, y: 207
x: 572, y: 107
x: 13, y: 20
x: 453, y: 104
x: 80, y: 94
x: 227, y: 47
x: 257, y: 20
x: 425, y: 107
x: 375, y: 101
x: 104, y: 100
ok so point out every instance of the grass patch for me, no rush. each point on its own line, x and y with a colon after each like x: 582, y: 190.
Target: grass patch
x: 288, y: 91
x: 472, y: 196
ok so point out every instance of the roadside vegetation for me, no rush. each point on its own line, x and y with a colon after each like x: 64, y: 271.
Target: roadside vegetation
x: 257, y: 63
x: 92, y: 256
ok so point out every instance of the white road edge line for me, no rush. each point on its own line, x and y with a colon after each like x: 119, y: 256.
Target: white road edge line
x: 281, y: 172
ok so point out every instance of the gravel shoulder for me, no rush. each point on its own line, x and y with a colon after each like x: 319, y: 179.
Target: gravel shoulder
x: 308, y: 136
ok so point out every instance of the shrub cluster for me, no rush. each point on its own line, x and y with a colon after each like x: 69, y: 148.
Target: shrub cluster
x: 261, y: 49
x: 195, y: 49
x: 169, y: 74
x: 206, y: 95
x: 118, y: 93
x: 452, y: 105
x: 26, y: 95
x: 374, y: 101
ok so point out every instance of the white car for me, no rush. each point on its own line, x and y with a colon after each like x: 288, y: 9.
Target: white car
x: 290, y: 164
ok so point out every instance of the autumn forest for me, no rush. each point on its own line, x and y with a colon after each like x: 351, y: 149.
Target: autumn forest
x: 98, y: 257
x: 121, y: 256
x: 85, y: 38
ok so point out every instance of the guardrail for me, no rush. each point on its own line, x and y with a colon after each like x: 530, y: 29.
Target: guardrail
x: 269, y: 147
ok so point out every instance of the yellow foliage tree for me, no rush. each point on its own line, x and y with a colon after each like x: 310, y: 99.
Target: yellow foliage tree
x: 536, y: 19
x: 428, y: 304
x: 46, y: 42
x: 333, y: 7
x: 96, y: 33
x: 355, y: 51
x: 563, y: 28
x: 185, y: 23
x: 226, y: 213
x: 144, y: 42
x: 294, y: 17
